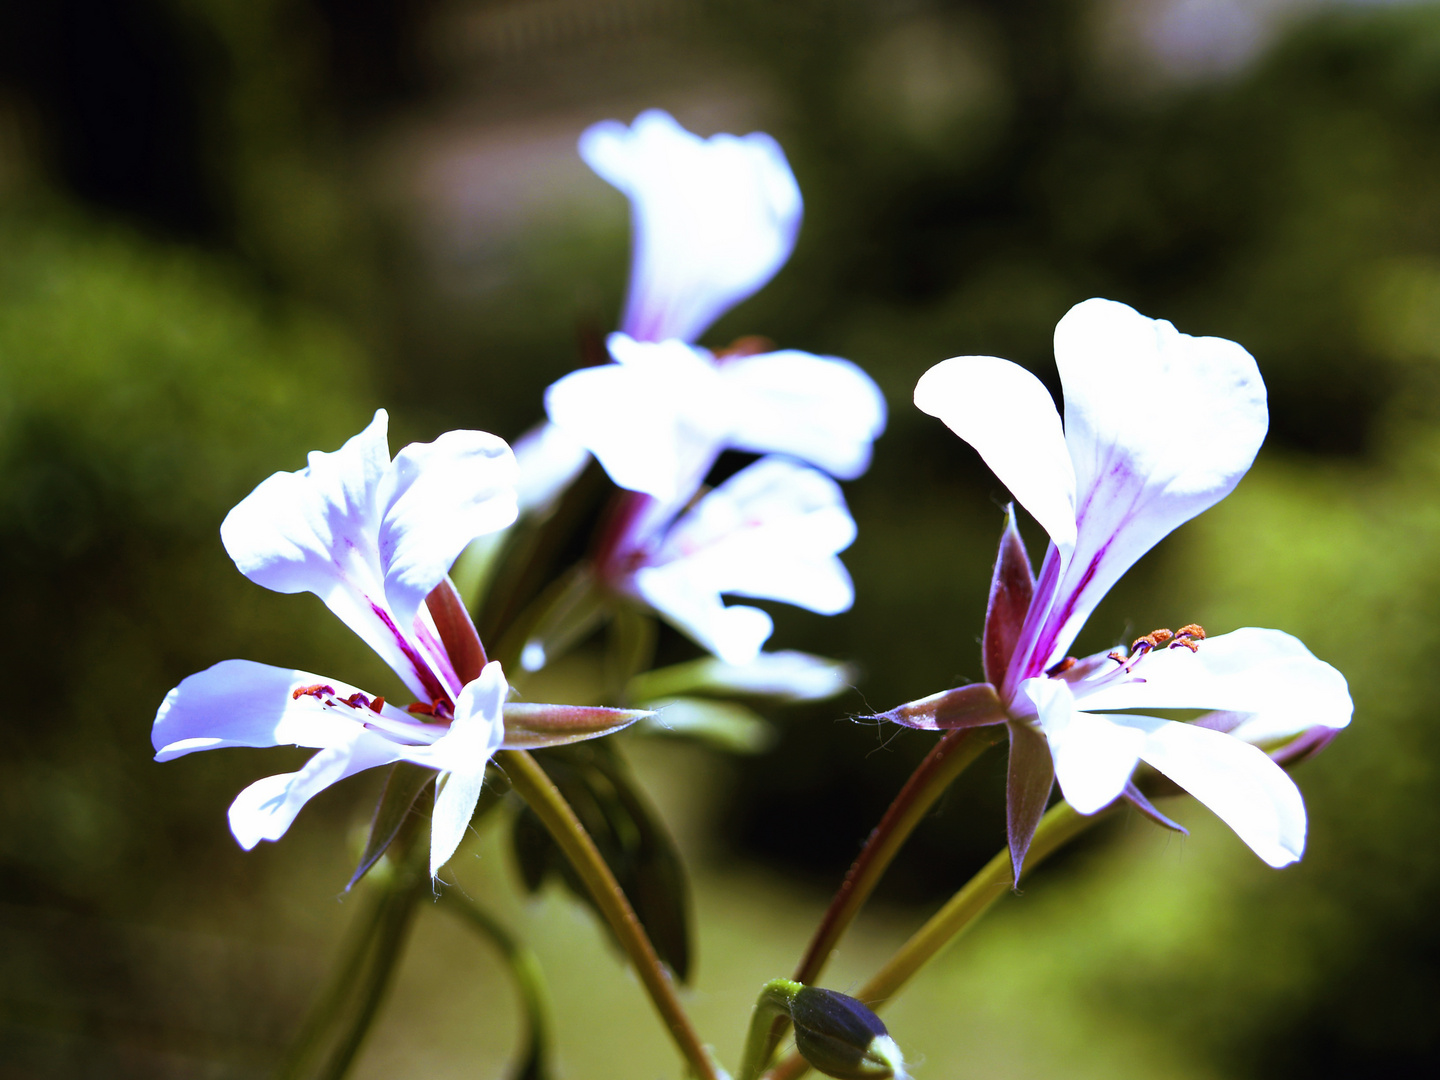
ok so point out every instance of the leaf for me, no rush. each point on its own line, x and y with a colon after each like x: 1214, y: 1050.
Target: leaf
x: 723, y: 724
x: 634, y: 844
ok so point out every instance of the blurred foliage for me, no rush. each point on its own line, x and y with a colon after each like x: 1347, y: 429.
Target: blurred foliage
x: 199, y: 281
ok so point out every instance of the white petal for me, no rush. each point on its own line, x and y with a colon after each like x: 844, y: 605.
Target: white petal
x: 242, y: 703
x: 656, y: 419
x: 1160, y: 426
x: 475, y: 734
x: 1008, y: 416
x: 772, y: 531
x: 788, y: 675
x: 549, y: 461
x: 713, y: 219
x: 1237, y: 781
x: 265, y: 809
x: 368, y: 536
x: 820, y: 409
x: 1267, y: 674
x: 735, y: 633
x: 1093, y: 757
x: 436, y: 498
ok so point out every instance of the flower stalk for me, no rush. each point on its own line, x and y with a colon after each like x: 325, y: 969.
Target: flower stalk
x: 1059, y: 826
x: 531, y: 783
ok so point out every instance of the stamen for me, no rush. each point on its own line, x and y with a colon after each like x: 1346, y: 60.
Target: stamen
x: 1153, y: 640
x: 419, y: 708
x: 1063, y: 666
x: 1189, y: 636
x: 316, y: 690
x: 377, y: 704
x: 358, y: 700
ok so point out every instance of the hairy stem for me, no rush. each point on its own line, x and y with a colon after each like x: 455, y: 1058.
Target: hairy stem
x: 536, y: 788
x: 1059, y: 826
x: 773, y: 1004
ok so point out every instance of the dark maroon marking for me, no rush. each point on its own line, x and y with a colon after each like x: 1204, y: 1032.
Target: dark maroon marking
x: 422, y: 670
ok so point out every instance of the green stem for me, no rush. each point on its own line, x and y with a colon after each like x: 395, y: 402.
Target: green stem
x: 946, y: 760
x: 389, y: 944
x: 773, y: 1004
x: 357, y: 988
x: 529, y: 980
x: 1058, y: 827
x: 536, y: 788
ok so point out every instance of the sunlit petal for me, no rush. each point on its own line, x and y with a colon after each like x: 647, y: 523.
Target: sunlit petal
x: 655, y: 419
x: 1236, y: 780
x: 1093, y: 757
x: 1009, y: 417
x: 1160, y: 426
x: 435, y: 499
x: 265, y: 809
x: 1266, y: 674
x: 713, y: 219
x: 820, y: 409
x: 242, y: 703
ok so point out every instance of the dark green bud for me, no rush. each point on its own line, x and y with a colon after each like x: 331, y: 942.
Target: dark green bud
x: 841, y: 1037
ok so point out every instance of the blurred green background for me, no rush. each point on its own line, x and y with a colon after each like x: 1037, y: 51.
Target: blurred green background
x: 229, y: 229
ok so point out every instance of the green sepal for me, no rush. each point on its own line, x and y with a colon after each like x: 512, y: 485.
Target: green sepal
x: 402, y: 787
x: 532, y: 726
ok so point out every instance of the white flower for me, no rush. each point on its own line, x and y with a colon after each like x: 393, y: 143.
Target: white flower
x: 660, y: 415
x: 1158, y: 427
x: 374, y: 539
x: 712, y: 219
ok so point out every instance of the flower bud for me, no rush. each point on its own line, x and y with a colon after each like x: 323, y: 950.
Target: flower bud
x: 842, y: 1038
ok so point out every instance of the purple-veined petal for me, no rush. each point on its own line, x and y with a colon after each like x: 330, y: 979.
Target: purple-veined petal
x: 655, y: 419
x: 265, y: 809
x: 1268, y: 675
x: 1009, y: 417
x: 436, y: 498
x: 242, y: 703
x: 353, y: 528
x: 712, y: 219
x: 1160, y: 427
x: 1093, y: 757
x: 477, y: 731
x: 1236, y: 780
x: 820, y: 409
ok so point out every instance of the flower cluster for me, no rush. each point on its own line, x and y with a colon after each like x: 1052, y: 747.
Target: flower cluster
x: 1158, y: 427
